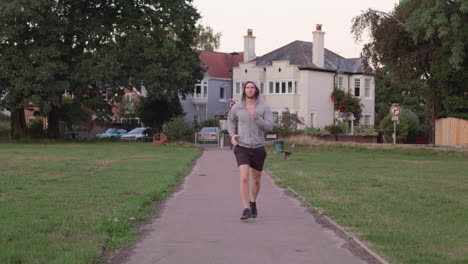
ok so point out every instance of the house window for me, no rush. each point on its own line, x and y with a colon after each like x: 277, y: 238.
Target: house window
x: 340, y: 83
x: 103, y: 93
x: 205, y: 89
x: 367, y: 88
x: 357, y: 87
x: 129, y: 97
x: 130, y: 120
x: 275, y: 117
x: 238, y: 88
x: 367, y: 120
x: 282, y: 87
x: 312, y: 119
x: 201, y: 90
x: 222, y: 93
x: 129, y: 102
x: 195, y: 119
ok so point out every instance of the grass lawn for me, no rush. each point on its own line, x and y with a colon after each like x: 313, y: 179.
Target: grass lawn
x: 409, y: 205
x: 63, y: 202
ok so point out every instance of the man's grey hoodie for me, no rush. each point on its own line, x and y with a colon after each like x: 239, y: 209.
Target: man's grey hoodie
x: 251, y: 131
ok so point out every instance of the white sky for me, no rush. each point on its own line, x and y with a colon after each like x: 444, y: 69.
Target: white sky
x: 276, y: 23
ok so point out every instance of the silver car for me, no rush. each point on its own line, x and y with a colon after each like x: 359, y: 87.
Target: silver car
x: 139, y: 134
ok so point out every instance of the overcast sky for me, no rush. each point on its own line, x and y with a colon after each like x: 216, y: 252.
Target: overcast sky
x: 277, y: 23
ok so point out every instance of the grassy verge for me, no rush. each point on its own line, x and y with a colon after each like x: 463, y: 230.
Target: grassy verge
x: 61, y: 203
x: 4, y: 129
x: 408, y: 204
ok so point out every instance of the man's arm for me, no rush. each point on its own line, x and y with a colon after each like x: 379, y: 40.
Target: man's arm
x: 232, y: 122
x: 266, y: 122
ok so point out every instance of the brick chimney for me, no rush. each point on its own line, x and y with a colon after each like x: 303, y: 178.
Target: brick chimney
x: 249, y: 46
x: 318, y: 47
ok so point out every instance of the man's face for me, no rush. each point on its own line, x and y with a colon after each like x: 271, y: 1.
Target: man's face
x: 250, y: 90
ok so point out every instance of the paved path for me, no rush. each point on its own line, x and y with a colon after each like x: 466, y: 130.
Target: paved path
x: 200, y: 224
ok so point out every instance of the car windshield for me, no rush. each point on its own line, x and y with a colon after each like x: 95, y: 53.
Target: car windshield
x: 121, y: 131
x: 137, y: 130
x: 208, y: 129
x: 111, y: 130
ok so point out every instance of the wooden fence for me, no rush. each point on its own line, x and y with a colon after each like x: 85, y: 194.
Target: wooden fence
x: 451, y: 131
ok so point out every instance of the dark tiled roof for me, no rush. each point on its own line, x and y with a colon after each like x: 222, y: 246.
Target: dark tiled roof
x: 300, y: 53
x: 219, y: 64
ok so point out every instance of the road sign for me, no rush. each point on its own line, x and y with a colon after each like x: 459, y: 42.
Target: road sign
x: 395, y: 118
x: 395, y: 110
x: 231, y: 103
x: 337, y: 113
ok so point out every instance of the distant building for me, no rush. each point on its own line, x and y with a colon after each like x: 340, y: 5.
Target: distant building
x: 301, y: 76
x: 210, y: 97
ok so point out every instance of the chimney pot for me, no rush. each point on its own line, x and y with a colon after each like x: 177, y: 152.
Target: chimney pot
x: 318, y: 27
x: 249, y: 32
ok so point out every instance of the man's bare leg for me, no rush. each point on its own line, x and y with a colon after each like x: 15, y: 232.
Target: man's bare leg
x: 244, y: 184
x: 256, y: 176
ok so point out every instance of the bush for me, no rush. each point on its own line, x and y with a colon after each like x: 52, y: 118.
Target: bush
x: 36, y: 128
x: 314, y: 131
x: 365, y: 131
x: 414, y: 128
x: 179, y: 130
x: 386, y: 125
x: 288, y: 124
x: 339, y: 129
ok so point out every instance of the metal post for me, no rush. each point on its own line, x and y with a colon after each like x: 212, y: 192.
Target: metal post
x: 394, y: 132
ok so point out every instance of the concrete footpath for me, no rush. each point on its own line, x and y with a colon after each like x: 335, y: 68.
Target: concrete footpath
x: 200, y: 224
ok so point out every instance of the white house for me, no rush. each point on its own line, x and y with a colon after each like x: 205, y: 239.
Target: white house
x: 301, y: 77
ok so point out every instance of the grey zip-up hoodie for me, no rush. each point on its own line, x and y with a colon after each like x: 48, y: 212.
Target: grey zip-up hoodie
x: 251, y: 131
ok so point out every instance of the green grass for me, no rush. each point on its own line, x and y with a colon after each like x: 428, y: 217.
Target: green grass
x: 409, y: 205
x: 64, y: 202
x: 4, y: 129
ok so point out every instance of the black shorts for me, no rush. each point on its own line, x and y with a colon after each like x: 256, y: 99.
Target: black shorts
x: 254, y: 157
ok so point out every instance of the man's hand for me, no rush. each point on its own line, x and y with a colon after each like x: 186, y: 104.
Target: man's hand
x: 252, y: 111
x: 234, y: 140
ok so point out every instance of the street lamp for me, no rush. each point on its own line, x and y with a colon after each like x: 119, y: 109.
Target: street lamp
x: 234, y: 53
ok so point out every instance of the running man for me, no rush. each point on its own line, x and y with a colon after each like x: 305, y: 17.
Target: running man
x: 255, y: 118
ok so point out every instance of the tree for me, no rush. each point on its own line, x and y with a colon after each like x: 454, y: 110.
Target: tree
x: 155, y: 111
x: 49, y: 47
x: 206, y: 39
x: 420, y: 41
x: 72, y: 113
x: 388, y: 92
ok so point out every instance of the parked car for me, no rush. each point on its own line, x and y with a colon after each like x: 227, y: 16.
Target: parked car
x: 208, y: 135
x: 139, y: 134
x: 112, y: 133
